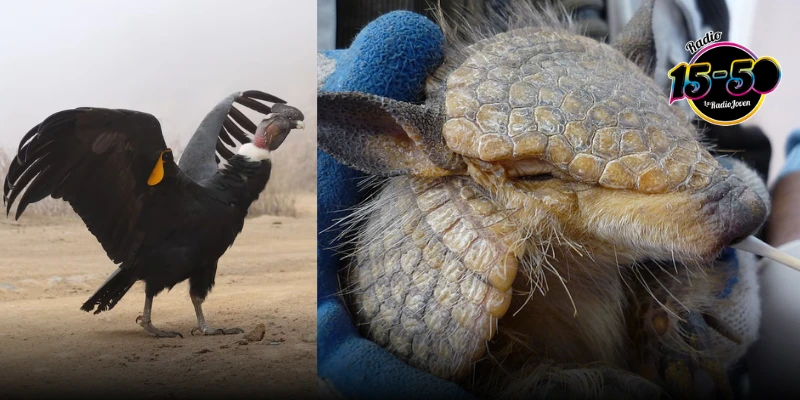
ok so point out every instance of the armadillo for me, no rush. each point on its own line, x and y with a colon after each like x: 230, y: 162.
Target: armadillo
x: 549, y: 225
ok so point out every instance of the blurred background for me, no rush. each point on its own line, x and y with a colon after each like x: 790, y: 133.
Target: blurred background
x: 174, y: 59
x: 761, y: 25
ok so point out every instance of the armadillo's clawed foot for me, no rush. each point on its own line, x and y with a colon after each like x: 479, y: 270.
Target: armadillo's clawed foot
x: 153, y: 331
x: 699, y: 374
x: 561, y: 382
x: 620, y: 384
x: 208, y: 331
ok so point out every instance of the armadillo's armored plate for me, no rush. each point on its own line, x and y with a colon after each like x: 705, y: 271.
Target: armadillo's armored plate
x: 575, y: 103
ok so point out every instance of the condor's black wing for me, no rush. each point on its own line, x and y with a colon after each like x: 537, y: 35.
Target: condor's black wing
x: 100, y: 161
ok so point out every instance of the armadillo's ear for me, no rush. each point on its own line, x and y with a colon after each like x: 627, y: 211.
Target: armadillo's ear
x: 636, y: 40
x: 384, y: 137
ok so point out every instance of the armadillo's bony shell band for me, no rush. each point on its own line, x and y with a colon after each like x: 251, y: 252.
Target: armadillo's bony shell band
x: 435, y: 300
x: 569, y: 100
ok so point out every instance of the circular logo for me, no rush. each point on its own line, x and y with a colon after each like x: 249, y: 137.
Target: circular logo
x: 725, y: 83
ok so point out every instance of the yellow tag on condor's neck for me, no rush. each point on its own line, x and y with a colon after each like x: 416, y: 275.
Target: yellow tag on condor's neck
x: 158, y: 171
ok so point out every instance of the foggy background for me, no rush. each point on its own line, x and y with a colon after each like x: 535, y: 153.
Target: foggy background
x: 174, y: 59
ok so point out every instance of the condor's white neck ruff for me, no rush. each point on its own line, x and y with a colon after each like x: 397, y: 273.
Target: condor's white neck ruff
x: 253, y: 152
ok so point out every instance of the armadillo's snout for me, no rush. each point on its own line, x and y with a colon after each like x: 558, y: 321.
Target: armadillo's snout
x: 737, y: 210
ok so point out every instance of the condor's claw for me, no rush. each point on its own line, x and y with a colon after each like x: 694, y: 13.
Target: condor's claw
x: 153, y: 331
x: 207, y: 331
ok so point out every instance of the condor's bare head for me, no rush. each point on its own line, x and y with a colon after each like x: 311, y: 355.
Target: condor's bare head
x: 275, y: 127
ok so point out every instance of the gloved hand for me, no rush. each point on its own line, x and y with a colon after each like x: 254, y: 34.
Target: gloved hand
x: 391, y: 57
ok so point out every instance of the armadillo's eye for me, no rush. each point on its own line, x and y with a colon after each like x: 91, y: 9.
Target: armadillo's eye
x: 529, y: 170
x: 536, y: 178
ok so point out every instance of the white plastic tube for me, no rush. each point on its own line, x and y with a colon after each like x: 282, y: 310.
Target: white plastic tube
x: 753, y: 245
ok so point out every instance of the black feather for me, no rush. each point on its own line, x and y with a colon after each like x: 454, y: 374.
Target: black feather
x: 27, y: 137
x: 57, y: 192
x: 257, y: 94
x: 235, y: 131
x: 254, y: 105
x: 29, y: 194
x: 27, y: 175
x: 226, y: 137
x: 223, y: 151
x: 242, y: 120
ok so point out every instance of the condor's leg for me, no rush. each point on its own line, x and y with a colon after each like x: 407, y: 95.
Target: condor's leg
x: 144, y: 321
x: 202, y: 327
x: 199, y: 286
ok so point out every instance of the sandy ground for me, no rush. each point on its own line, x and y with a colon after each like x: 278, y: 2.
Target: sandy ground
x: 50, y: 266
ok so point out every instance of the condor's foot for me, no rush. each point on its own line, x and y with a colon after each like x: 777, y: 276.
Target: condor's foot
x: 208, y: 331
x: 153, y: 331
x: 203, y: 328
x: 144, y: 321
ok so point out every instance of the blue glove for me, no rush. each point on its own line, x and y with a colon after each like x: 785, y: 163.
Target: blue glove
x: 391, y: 57
x: 792, y: 163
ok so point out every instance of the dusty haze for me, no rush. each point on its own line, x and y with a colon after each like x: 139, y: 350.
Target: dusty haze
x: 173, y: 59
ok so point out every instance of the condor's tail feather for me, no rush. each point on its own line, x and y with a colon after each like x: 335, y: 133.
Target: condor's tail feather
x: 111, y: 291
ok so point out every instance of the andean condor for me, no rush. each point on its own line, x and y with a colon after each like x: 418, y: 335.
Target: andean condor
x: 162, y: 222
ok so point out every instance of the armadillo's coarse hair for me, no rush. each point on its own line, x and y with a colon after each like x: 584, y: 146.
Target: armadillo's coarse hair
x: 463, y: 30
